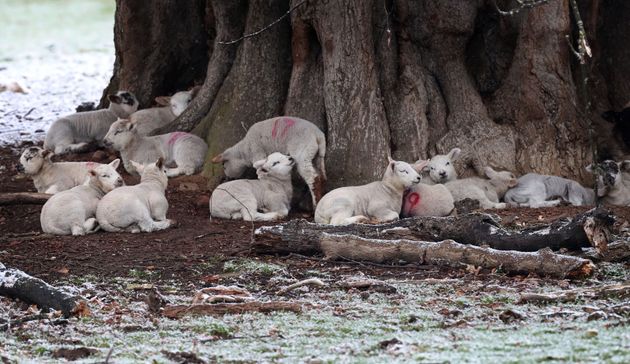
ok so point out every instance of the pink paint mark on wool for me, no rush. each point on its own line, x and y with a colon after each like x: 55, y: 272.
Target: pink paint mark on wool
x: 411, y: 201
x: 288, y: 124
x: 175, y: 136
x: 274, y: 131
x: 91, y: 165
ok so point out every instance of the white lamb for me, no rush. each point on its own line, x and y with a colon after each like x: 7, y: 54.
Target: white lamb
x: 50, y: 177
x: 427, y: 200
x: 487, y: 191
x: 154, y: 118
x: 184, y: 149
x: 380, y: 200
x: 137, y: 208
x: 73, y: 133
x: 288, y: 135
x: 270, y: 193
x: 72, y: 211
x: 536, y: 190
x: 613, y: 182
x: 440, y: 167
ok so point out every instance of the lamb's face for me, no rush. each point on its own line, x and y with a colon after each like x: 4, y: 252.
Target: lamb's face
x: 179, y: 102
x: 120, y: 134
x: 502, y: 180
x: 403, y: 173
x: 441, y: 169
x: 33, y: 158
x: 276, y: 164
x: 124, y: 101
x: 610, y: 175
x: 106, y: 177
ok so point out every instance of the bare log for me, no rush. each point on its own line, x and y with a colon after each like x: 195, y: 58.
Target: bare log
x: 615, y: 290
x: 17, y: 284
x: 219, y: 309
x: 302, y: 237
x: 452, y: 254
x: 23, y: 198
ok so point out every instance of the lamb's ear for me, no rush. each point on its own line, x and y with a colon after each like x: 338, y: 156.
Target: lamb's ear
x: 195, y: 90
x: 138, y: 166
x: 624, y: 166
x: 160, y: 162
x: 47, y: 153
x: 259, y: 163
x: 163, y: 100
x: 589, y: 168
x: 115, y: 163
x: 114, y: 98
x: 454, y: 153
x: 489, y: 172
x: 92, y: 173
x: 420, y: 165
x: 512, y: 182
x: 217, y: 159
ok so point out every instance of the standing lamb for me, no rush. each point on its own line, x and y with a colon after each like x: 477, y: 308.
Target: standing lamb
x: 487, y: 191
x: 613, y: 182
x: 148, y: 120
x: 184, y: 149
x: 440, y: 167
x: 380, y: 200
x: 137, y: 208
x: 427, y: 200
x: 73, y: 133
x: 288, y: 135
x: 50, y: 177
x: 537, y: 190
x: 72, y: 211
x: 270, y: 193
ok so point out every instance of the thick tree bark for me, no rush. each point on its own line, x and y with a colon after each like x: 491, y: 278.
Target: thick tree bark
x: 407, y: 78
x: 452, y: 254
x: 301, y: 236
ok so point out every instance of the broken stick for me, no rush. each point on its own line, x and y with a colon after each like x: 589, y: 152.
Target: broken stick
x: 452, y: 254
x: 229, y: 308
x: 613, y: 290
x: 306, y: 282
x: 23, y: 198
x: 16, y: 284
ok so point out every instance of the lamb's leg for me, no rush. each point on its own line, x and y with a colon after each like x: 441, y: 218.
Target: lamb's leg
x: 551, y: 203
x: 77, y: 230
x: 269, y: 216
x: 485, y: 204
x: 359, y: 219
x: 77, y: 148
x: 173, y: 172
x: 308, y: 173
x: 52, y: 190
x: 383, y: 215
x: 90, y: 225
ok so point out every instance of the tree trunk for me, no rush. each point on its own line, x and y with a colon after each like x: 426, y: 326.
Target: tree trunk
x: 399, y: 77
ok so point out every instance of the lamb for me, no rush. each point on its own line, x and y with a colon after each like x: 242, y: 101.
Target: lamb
x: 271, y: 193
x: 73, y: 133
x: 380, y: 200
x: 427, y: 200
x: 72, y: 211
x: 148, y: 120
x: 613, y: 185
x: 536, y: 190
x: 50, y: 177
x: 441, y: 168
x: 288, y: 135
x: 184, y: 149
x: 137, y: 208
x: 487, y: 191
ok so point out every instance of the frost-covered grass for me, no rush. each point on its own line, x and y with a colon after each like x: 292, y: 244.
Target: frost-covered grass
x: 426, y: 320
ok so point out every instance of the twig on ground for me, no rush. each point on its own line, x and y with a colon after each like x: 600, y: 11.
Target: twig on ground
x: 10, y: 324
x: 306, y: 282
x: 615, y: 290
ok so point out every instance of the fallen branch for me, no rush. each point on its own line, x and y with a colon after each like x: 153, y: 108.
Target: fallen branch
x: 452, y: 254
x: 306, y: 282
x: 219, y: 309
x: 302, y: 237
x: 615, y: 290
x: 617, y: 251
x: 23, y: 198
x: 16, y: 284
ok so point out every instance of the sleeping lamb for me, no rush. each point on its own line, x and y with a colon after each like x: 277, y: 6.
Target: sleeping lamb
x: 537, y: 190
x: 613, y: 182
x: 72, y: 211
x: 288, y: 135
x: 270, y: 193
x: 50, y: 177
x: 427, y: 200
x: 184, y: 149
x: 380, y: 200
x: 148, y: 120
x: 487, y: 191
x: 73, y: 133
x: 137, y: 208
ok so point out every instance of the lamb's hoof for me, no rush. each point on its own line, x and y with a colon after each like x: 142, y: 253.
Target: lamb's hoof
x: 173, y: 223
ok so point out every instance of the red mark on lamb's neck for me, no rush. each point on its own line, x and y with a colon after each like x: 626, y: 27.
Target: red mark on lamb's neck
x: 91, y: 165
x: 411, y: 201
x: 288, y: 124
x: 175, y: 136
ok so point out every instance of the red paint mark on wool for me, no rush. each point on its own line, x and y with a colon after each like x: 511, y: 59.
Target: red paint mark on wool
x: 274, y: 131
x: 411, y: 201
x: 288, y: 124
x: 91, y: 165
x: 175, y: 136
